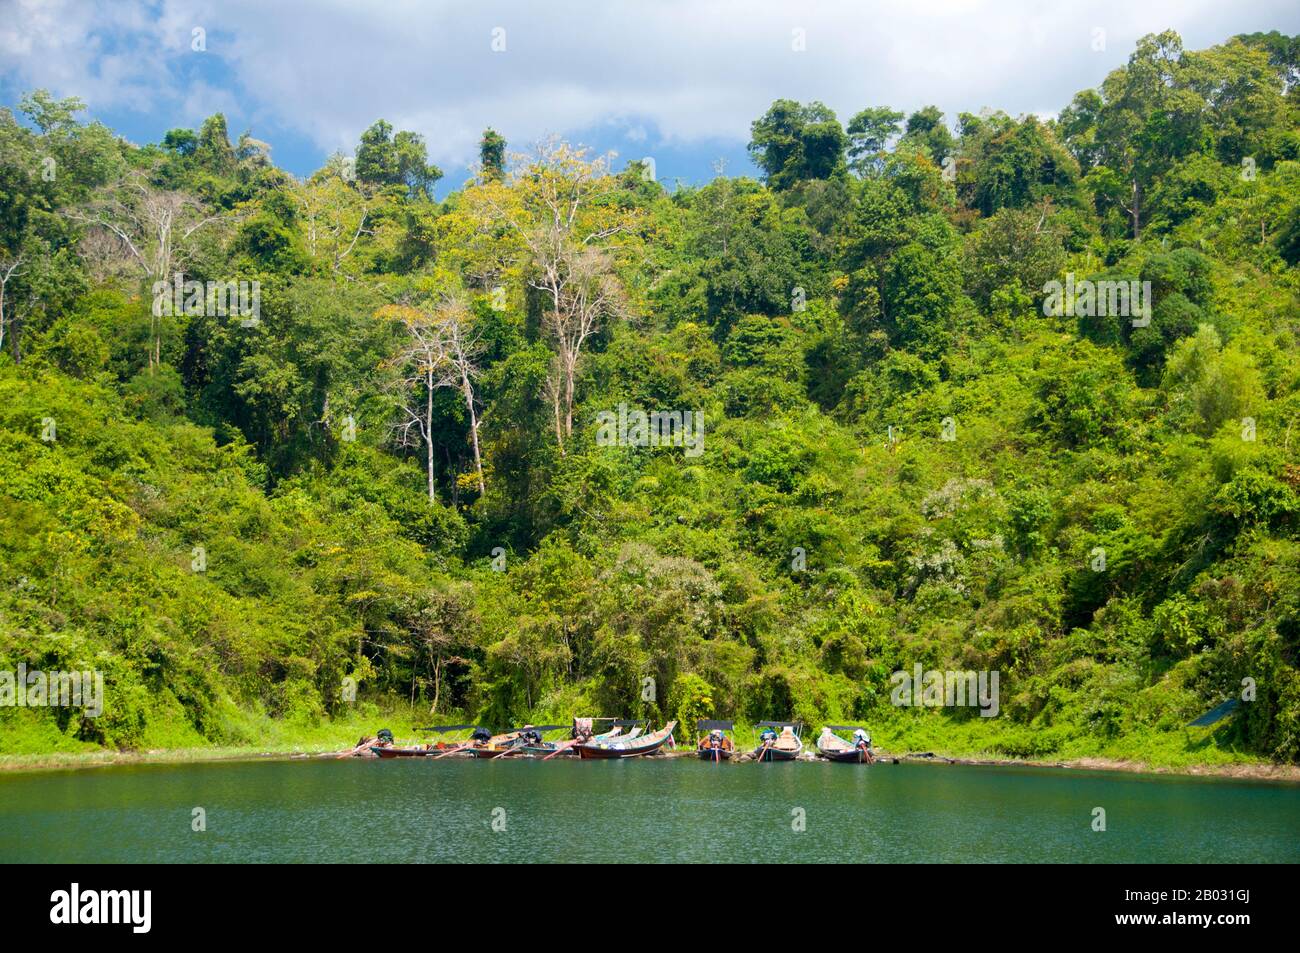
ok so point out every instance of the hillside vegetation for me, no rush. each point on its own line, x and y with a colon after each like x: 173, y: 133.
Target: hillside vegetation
x: 389, y: 475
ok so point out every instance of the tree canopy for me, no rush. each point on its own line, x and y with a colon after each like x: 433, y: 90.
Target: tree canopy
x: 396, y: 472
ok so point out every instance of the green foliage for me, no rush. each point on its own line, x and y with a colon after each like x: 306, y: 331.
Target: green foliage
x: 904, y: 460
x: 793, y: 142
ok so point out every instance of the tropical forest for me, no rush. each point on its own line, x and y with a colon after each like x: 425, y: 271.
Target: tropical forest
x: 289, y: 459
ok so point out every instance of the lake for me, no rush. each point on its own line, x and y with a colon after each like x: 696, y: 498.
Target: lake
x: 641, y: 811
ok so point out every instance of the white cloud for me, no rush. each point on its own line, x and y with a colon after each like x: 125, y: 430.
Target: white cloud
x: 689, y: 69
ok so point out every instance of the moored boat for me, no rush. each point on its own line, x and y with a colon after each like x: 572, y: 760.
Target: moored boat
x: 416, y: 751
x: 778, y: 741
x: 715, y: 743
x: 386, y: 747
x: 833, y: 747
x: 628, y: 747
x: 524, y: 742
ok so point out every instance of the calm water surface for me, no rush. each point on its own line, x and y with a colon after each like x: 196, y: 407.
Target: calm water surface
x: 639, y: 811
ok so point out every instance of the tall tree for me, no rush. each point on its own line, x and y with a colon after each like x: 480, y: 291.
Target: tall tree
x: 869, y: 131
x: 462, y: 349
x: 156, y: 230
x: 421, y: 364
x: 563, y: 215
x: 492, y: 154
x: 792, y: 142
x: 402, y: 159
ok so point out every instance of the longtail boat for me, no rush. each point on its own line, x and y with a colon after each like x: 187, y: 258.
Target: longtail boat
x: 715, y: 742
x: 390, y: 750
x: 404, y: 752
x: 779, y: 741
x: 628, y: 747
x: 526, y: 742
x: 443, y: 744
x: 835, y: 748
x: 385, y: 747
x: 583, y: 729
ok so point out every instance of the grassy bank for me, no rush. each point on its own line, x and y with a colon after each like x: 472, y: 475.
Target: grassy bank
x: 1192, y: 751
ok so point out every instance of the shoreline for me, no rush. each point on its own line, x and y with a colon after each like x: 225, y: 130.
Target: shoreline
x: 1253, y: 771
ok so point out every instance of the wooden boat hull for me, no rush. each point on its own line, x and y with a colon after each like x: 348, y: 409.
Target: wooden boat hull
x: 539, y: 751
x: 490, y: 753
x: 403, y: 752
x: 713, y: 754
x: 777, y: 754
x: 850, y: 756
x: 647, y: 744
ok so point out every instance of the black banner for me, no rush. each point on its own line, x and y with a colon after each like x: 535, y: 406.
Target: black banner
x: 143, y: 903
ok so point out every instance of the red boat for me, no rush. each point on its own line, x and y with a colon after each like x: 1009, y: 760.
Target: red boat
x: 629, y: 747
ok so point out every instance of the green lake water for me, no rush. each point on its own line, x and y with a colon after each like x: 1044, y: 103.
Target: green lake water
x: 642, y: 811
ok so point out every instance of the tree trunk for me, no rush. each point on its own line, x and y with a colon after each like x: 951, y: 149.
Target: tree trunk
x: 473, y: 429
x: 555, y: 409
x: 1137, y: 210
x: 428, y: 429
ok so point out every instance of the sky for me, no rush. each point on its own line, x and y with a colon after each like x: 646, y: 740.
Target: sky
x: 678, y: 81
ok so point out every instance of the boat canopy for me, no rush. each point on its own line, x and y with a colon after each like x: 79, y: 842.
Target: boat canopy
x: 778, y: 724
x: 541, y: 728
x: 1216, y: 714
x: 706, y: 725
x: 629, y: 722
x: 442, y: 728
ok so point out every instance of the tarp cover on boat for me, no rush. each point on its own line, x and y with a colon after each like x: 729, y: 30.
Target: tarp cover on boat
x: 706, y: 725
x: 1217, y: 713
x: 541, y: 729
x: 442, y: 728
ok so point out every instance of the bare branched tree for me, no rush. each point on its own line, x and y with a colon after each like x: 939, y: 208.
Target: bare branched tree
x: 462, y: 349
x: 10, y: 269
x: 566, y: 227
x: 441, y: 350
x: 335, y: 214
x: 154, y: 228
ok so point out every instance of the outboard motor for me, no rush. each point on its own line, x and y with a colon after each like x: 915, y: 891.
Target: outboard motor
x: 481, y: 734
x: 385, y: 736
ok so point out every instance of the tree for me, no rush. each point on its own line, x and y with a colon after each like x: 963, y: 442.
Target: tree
x: 869, y: 131
x: 462, y: 349
x: 563, y: 216
x: 441, y: 350
x: 1141, y: 122
x: 387, y: 159
x: 925, y: 127
x: 156, y: 230
x: 1020, y: 167
x: 335, y: 215
x: 1016, y: 249
x: 792, y: 142
x: 492, y: 154
x: 422, y: 367
x: 213, y: 150
x: 11, y: 270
